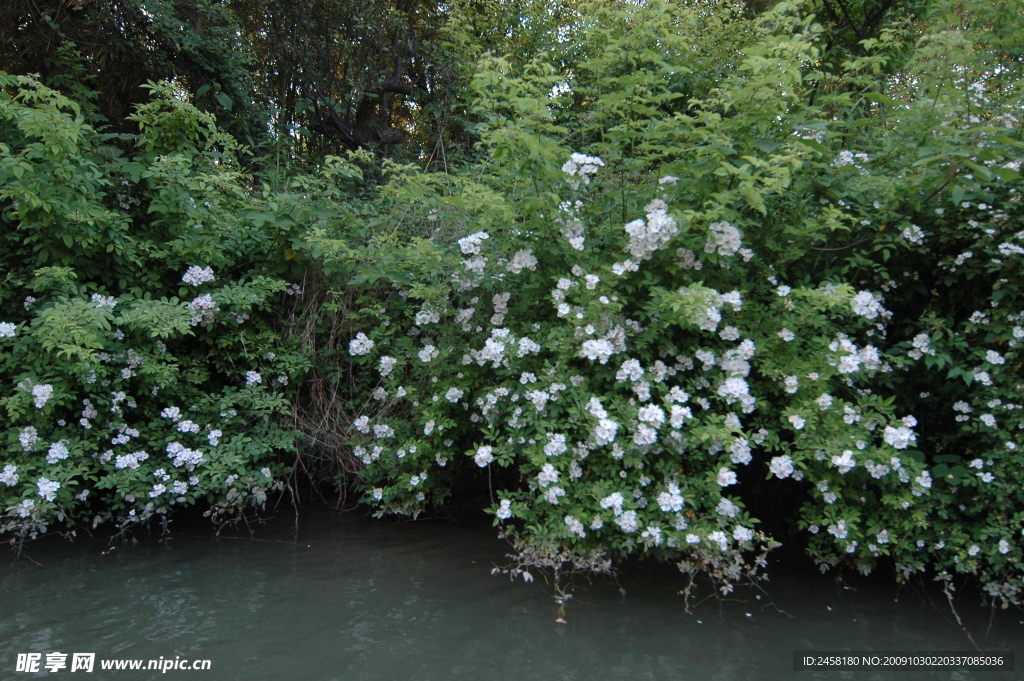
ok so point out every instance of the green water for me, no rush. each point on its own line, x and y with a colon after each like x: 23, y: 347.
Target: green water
x: 350, y: 599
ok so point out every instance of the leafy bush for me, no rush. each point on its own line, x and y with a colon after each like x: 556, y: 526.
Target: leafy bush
x: 760, y: 283
x: 141, y: 366
x: 702, y: 262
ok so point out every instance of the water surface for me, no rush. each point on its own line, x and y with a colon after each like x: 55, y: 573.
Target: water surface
x: 349, y: 599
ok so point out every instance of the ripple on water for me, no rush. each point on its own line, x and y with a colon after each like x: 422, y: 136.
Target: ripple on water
x: 354, y: 600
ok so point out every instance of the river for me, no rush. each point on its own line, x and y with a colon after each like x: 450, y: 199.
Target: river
x: 350, y: 599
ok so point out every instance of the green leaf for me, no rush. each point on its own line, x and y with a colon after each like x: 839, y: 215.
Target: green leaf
x: 958, y: 194
x: 224, y: 100
x: 1007, y: 174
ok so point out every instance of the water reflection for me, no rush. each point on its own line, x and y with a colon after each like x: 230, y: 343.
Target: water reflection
x: 348, y: 599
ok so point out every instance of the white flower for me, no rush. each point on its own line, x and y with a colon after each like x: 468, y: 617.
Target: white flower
x: 727, y: 508
x: 214, y: 437
x: 652, y: 414
x: 427, y: 353
x: 645, y: 435
x: 100, y: 301
x: 548, y: 475
x: 575, y: 526
x: 1004, y: 547
x: 734, y: 299
x: 677, y: 394
x: 993, y: 357
x: 522, y: 260
x: 483, y: 456
x: 7, y: 330
x: 739, y: 452
x: 41, y: 395
x: 428, y: 427
x: 678, y: 415
x: 600, y: 349
x: 913, y: 234
x: 899, y: 438
x: 386, y: 365
x: 453, y: 395
x: 652, y: 535
x: 726, y: 477
x: 555, y: 445
x: 470, y: 245
x: 867, y: 305
x: 844, y: 462
x: 360, y: 345
x: 28, y: 437
x: 797, y: 421
x: 627, y: 521
x: 671, y: 500
x: 504, y: 511
x: 742, y: 534
x: 613, y: 501
x: 553, y: 494
x: 527, y: 346
x: 647, y: 237
x: 582, y: 166
x: 9, y: 476
x: 47, y: 488
x: 849, y: 364
x: 172, y: 413
x: 196, y: 275
x: 620, y: 268
x: 203, y: 302
x: 426, y: 316
x: 362, y: 424
x: 787, y: 335
x: 57, y: 452
x: 838, y: 530
x: 252, y: 378
x: 733, y: 389
x: 605, y: 431
x: 724, y: 238
x: 781, y: 466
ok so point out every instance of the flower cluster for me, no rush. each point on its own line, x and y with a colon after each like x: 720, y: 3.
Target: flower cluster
x: 195, y: 275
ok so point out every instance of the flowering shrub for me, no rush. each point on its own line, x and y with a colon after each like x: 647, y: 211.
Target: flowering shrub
x: 623, y: 333
x: 700, y: 264
x: 139, y: 367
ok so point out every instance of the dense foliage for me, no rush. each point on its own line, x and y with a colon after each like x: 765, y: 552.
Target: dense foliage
x: 137, y: 379
x: 703, y: 256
